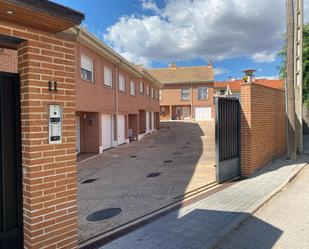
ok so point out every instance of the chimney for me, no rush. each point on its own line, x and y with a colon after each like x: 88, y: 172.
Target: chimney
x: 250, y: 75
x: 173, y: 65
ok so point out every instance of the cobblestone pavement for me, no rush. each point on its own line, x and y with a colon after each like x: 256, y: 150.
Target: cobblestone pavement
x: 205, y: 223
x: 182, y: 152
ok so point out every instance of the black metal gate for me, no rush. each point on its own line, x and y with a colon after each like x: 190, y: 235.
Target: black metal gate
x: 10, y: 163
x: 227, y: 138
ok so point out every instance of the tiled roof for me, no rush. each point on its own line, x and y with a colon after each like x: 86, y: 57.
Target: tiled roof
x: 219, y: 84
x: 235, y: 84
x: 184, y: 74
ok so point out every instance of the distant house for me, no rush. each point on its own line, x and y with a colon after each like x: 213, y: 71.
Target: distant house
x: 232, y: 88
x: 187, y: 93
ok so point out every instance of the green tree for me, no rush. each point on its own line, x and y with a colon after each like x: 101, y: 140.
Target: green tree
x: 282, y: 67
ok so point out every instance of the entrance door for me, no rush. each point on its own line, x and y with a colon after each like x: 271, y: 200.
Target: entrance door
x: 203, y: 114
x: 78, y: 134
x: 227, y: 138
x: 186, y: 112
x: 147, y: 122
x: 107, y: 131
x: 121, y: 129
x: 10, y: 163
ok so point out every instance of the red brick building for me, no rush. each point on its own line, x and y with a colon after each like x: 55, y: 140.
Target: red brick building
x: 38, y: 153
x: 187, y: 93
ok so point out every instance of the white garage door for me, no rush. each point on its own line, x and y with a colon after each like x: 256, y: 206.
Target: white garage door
x: 203, y: 113
x: 147, y: 122
x: 121, y: 129
x: 152, y: 121
x: 107, y: 131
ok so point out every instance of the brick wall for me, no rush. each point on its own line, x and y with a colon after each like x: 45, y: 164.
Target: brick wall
x: 263, y: 134
x: 49, y: 171
x: 8, y: 60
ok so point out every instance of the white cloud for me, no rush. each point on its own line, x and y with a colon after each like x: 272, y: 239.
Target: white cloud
x: 207, y: 29
x: 271, y: 77
x: 220, y: 71
x: 150, y: 5
x: 264, y: 57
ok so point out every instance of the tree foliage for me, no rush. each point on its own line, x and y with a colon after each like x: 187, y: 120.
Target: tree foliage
x: 282, y: 67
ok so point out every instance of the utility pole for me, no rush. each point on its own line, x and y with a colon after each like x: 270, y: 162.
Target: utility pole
x: 290, y: 79
x: 298, y: 71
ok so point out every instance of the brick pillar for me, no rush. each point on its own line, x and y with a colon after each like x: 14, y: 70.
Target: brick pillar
x: 245, y: 134
x: 49, y: 171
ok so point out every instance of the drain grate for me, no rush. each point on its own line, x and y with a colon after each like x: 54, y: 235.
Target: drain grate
x: 185, y: 147
x: 168, y: 161
x: 89, y: 180
x: 104, y: 214
x: 155, y: 174
x: 133, y: 156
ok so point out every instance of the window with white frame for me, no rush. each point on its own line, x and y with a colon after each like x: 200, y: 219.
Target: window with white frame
x: 202, y: 93
x: 141, y: 87
x: 108, y: 77
x: 160, y: 94
x: 147, y: 90
x: 132, y: 87
x: 157, y: 94
x: 185, y: 93
x: 152, y: 92
x: 122, y: 83
x: 86, y: 68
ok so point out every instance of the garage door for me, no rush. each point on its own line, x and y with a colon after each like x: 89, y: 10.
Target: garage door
x: 203, y: 113
x: 107, y: 131
x: 121, y: 129
x: 147, y: 122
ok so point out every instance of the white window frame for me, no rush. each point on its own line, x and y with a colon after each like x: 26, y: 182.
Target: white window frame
x: 160, y: 94
x: 89, y: 68
x: 202, y: 88
x: 141, y: 87
x: 122, y: 84
x: 181, y: 93
x: 132, y: 88
x: 152, y: 93
x: 108, y: 77
x: 157, y: 94
x: 147, y: 90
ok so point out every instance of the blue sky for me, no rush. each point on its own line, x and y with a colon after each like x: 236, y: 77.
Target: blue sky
x: 233, y: 34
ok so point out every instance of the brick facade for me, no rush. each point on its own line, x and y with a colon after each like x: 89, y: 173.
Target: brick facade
x: 263, y: 132
x: 8, y: 60
x: 49, y: 171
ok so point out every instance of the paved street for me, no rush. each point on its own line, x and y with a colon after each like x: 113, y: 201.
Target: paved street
x: 204, y: 223
x: 181, y: 155
x: 287, y: 219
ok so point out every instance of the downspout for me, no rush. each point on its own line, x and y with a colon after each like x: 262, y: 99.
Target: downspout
x: 192, y: 102
x: 116, y: 103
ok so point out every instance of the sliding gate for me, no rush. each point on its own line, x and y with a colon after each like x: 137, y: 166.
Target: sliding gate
x: 10, y: 163
x: 227, y: 138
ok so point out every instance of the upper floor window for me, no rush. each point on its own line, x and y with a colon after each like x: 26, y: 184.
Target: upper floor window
x: 160, y: 94
x: 147, y: 90
x: 152, y: 92
x: 185, y: 93
x: 141, y: 87
x: 132, y: 88
x: 108, y: 77
x: 202, y: 93
x: 122, y: 83
x: 157, y: 94
x: 221, y: 92
x: 86, y: 68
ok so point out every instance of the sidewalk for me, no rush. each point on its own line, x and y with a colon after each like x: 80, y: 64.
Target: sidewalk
x: 287, y: 220
x: 205, y: 223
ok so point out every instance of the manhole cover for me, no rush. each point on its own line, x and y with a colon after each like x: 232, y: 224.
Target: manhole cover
x: 177, y: 153
x: 104, y: 214
x: 89, y: 180
x: 168, y: 161
x: 133, y: 156
x: 154, y: 174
